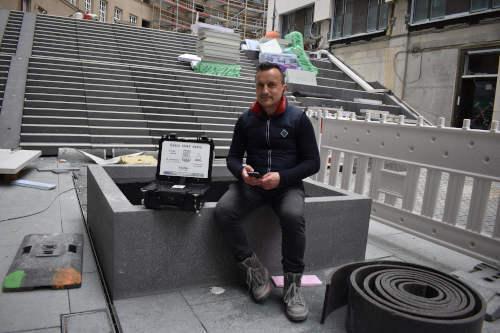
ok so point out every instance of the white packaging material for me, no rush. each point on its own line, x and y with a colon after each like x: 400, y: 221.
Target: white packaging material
x: 200, y: 25
x: 188, y: 57
x: 271, y: 46
x: 194, y: 63
x: 300, y: 77
x: 283, y: 42
x: 252, y: 44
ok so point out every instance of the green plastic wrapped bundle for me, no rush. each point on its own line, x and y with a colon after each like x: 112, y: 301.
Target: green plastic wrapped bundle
x: 297, y: 47
x: 219, y: 69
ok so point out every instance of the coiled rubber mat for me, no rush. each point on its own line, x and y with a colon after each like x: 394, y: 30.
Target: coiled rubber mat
x: 398, y: 297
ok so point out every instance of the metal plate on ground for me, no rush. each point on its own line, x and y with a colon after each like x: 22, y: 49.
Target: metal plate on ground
x: 97, y: 321
x: 46, y: 260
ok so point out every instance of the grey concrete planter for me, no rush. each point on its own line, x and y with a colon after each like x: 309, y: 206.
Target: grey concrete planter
x: 145, y: 251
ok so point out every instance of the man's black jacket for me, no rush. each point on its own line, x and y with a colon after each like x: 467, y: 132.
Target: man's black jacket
x: 284, y: 142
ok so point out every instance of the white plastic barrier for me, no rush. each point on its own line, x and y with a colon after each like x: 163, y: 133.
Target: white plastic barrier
x: 440, y: 183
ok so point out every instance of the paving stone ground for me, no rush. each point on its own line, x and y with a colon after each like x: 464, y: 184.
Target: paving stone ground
x: 193, y: 309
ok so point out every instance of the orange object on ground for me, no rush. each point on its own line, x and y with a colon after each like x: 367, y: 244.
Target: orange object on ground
x: 272, y: 34
x: 66, y: 277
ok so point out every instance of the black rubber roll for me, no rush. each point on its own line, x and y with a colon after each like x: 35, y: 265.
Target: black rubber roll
x: 393, y: 297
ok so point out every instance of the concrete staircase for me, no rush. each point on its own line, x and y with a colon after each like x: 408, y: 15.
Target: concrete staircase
x: 94, y: 85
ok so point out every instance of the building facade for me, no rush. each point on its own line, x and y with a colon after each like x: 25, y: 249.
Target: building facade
x: 246, y: 17
x: 440, y: 56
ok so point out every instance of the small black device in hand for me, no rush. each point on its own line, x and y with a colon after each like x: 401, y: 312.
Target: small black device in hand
x: 255, y: 174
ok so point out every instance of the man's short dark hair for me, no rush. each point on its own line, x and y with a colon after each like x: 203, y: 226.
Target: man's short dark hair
x: 266, y: 66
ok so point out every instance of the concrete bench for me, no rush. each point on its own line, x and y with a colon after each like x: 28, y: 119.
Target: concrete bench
x: 145, y: 251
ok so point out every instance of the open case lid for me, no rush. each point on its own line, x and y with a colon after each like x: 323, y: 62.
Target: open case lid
x: 185, y: 160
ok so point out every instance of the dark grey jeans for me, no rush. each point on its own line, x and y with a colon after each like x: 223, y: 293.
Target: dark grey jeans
x: 287, y: 203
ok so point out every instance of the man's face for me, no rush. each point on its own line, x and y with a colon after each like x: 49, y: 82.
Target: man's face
x: 269, y: 88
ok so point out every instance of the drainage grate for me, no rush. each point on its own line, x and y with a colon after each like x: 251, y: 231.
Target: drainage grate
x: 46, y: 260
x: 97, y: 321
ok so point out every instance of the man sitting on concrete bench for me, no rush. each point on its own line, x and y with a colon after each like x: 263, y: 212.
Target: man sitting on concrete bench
x: 281, y: 150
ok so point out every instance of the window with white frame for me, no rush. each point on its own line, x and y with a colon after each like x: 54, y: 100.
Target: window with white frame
x: 88, y: 6
x: 425, y: 11
x: 358, y: 17
x: 117, y: 16
x: 103, y: 8
x: 133, y: 19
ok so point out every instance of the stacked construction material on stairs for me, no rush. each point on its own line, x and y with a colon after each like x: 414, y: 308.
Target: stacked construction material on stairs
x: 220, y: 53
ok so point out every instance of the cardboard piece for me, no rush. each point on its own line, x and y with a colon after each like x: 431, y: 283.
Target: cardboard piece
x: 102, y: 161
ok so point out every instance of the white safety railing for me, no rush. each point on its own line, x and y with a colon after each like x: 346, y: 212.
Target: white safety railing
x: 439, y: 183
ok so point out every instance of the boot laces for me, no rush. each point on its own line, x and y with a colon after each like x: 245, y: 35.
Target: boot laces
x: 293, y: 296
x: 255, y: 276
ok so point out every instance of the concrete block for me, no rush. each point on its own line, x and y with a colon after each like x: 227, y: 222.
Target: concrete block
x: 144, y: 251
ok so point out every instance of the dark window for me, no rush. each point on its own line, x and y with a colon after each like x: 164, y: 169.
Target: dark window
x: 348, y: 17
x: 372, y: 18
x: 383, y: 14
x: 476, y: 93
x: 457, y: 6
x: 481, y: 64
x: 358, y: 17
x: 438, y: 10
x: 479, y: 5
x: 420, y: 10
x: 288, y: 24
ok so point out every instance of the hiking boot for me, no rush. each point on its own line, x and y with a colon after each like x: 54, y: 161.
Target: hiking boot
x: 257, y: 278
x: 295, y: 304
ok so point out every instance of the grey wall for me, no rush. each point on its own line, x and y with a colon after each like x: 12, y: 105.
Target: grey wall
x: 13, y: 100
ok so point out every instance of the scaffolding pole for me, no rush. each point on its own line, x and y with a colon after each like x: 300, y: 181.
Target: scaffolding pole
x: 248, y: 18
x: 177, y: 15
x: 245, y: 20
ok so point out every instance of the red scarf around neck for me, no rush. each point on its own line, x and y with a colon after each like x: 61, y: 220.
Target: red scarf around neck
x: 257, y: 108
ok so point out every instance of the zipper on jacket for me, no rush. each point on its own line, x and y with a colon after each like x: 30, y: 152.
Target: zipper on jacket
x: 268, y: 145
